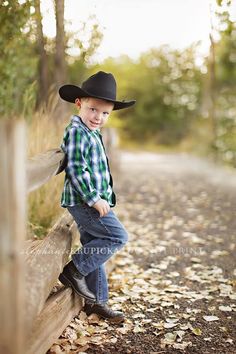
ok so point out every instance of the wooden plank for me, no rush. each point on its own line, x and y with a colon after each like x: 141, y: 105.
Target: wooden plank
x: 44, y: 262
x: 57, y: 314
x: 12, y: 235
x: 42, y: 167
x: 55, y: 317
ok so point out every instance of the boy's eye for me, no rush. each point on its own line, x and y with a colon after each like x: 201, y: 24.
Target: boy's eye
x: 93, y: 109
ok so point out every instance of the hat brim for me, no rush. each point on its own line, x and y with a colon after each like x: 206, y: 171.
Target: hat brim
x: 69, y: 93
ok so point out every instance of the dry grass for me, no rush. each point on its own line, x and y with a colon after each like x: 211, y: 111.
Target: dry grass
x: 44, y: 133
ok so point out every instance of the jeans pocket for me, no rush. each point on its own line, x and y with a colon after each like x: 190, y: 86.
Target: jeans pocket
x: 92, y: 212
x: 81, y: 215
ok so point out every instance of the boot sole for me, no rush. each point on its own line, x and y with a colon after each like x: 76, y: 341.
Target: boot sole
x: 65, y: 281
x: 109, y: 319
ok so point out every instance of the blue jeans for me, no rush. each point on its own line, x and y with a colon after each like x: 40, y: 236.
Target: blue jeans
x: 100, y: 237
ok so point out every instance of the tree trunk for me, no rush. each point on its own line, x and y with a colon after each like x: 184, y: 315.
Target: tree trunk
x: 212, y: 93
x: 43, y: 60
x: 60, y: 62
x: 60, y: 72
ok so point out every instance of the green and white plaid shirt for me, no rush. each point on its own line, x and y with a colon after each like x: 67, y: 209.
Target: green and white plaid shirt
x: 88, y: 175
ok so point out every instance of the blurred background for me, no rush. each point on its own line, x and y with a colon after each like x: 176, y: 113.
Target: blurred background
x: 177, y: 58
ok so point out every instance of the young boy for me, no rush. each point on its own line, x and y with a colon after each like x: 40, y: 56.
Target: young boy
x: 88, y: 193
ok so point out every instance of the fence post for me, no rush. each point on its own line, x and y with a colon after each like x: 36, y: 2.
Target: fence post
x: 12, y: 235
x: 111, y: 141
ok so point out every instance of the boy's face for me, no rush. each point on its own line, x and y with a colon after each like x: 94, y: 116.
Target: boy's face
x: 94, y: 112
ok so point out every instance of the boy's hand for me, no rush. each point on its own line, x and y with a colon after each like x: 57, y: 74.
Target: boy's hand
x: 102, y: 207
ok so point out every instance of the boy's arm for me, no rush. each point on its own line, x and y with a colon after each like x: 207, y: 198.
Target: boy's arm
x: 77, y: 167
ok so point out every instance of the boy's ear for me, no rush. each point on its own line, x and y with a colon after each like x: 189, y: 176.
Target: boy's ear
x: 78, y: 102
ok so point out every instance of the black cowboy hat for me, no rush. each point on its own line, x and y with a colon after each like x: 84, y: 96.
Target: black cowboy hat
x: 100, y: 85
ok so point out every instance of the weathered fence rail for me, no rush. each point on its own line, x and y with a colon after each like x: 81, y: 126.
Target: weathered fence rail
x: 42, y: 167
x: 32, y: 316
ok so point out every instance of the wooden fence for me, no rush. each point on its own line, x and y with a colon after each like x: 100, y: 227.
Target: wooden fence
x: 32, y: 316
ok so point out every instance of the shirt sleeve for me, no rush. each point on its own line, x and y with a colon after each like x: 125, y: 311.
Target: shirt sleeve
x: 77, y: 167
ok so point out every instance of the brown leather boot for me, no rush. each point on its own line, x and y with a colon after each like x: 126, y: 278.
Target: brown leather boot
x: 105, y: 312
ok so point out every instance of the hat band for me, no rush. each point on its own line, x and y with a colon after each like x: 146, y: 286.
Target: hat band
x: 100, y: 92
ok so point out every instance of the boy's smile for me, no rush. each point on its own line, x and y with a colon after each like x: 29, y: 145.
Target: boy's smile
x: 94, y: 112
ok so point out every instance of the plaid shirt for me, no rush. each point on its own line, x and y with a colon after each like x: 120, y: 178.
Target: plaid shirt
x: 88, y: 175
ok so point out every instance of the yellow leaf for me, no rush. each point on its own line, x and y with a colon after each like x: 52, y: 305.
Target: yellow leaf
x: 197, y: 331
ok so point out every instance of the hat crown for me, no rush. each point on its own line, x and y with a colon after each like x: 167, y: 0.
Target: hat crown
x: 101, y: 84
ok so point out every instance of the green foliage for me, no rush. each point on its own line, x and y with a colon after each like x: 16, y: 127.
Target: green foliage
x: 225, y: 70
x: 17, y: 61
x: 166, y: 84
x: 85, y: 42
x: 19, y: 56
x: 226, y: 50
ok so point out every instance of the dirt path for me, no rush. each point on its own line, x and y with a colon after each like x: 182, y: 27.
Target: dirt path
x: 176, y: 278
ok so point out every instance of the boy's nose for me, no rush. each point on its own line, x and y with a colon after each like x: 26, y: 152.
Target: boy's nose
x: 98, y: 116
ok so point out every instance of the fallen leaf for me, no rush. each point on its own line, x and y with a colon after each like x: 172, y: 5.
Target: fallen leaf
x: 169, y: 338
x: 96, y: 340
x: 211, y: 318
x: 180, y: 334
x: 170, y: 324
x: 56, y: 349
x: 182, y: 345
x: 197, y: 331
x: 93, y: 318
x: 82, y: 316
x: 225, y: 308
x: 125, y: 328
x: 82, y: 341
x: 138, y: 315
x: 138, y: 329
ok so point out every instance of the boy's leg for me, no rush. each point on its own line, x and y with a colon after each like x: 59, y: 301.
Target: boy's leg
x: 97, y: 279
x: 100, y: 237
x: 109, y: 235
